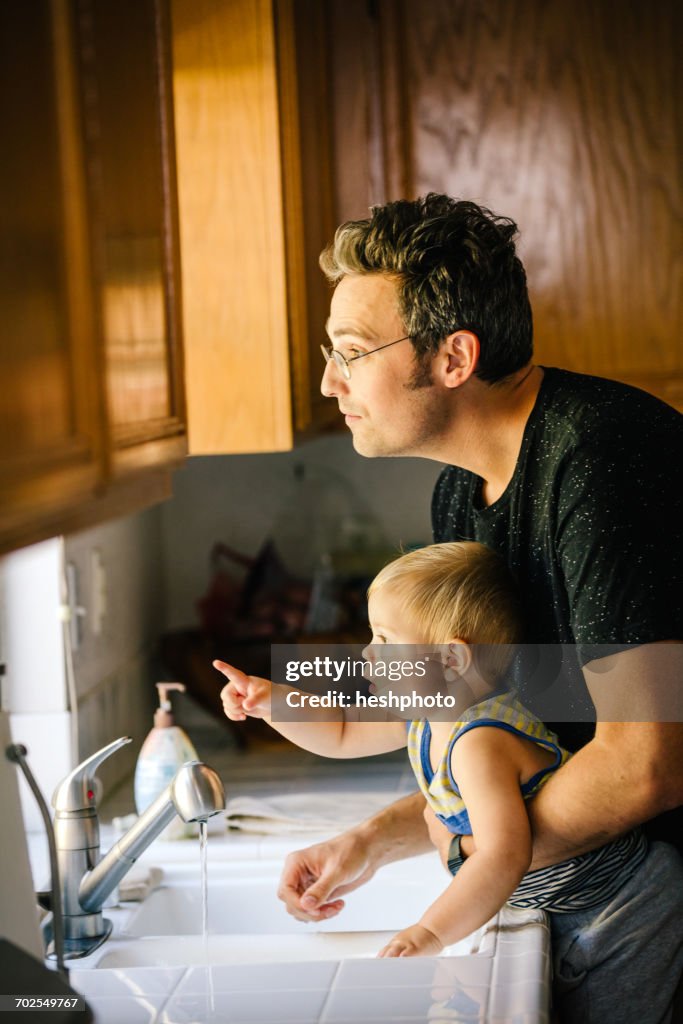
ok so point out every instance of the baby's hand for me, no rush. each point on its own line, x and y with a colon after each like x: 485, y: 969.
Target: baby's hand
x: 413, y: 941
x: 244, y: 695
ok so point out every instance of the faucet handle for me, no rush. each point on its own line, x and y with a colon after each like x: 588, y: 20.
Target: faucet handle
x: 75, y: 793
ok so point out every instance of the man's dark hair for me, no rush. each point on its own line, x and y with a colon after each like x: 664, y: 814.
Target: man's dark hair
x: 456, y: 268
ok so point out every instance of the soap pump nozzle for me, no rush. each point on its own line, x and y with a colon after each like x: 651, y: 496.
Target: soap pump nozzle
x: 163, y: 716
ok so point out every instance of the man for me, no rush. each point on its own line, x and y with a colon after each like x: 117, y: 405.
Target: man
x: 574, y: 480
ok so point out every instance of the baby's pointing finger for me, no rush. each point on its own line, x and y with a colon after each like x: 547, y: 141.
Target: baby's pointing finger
x: 235, y: 675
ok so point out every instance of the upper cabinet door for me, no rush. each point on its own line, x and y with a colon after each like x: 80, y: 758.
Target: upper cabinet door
x: 255, y: 193
x: 126, y: 96
x: 92, y: 415
x: 51, y: 423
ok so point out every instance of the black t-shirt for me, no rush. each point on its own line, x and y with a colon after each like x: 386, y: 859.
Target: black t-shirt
x: 591, y: 525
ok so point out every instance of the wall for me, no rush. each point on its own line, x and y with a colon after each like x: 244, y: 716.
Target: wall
x: 238, y: 499
x: 115, y: 667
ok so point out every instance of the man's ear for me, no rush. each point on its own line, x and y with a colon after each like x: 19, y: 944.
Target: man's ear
x: 458, y: 659
x: 459, y: 355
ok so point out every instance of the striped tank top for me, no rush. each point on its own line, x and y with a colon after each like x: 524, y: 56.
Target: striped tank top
x: 575, y: 884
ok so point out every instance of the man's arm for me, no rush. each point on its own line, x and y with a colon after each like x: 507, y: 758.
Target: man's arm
x: 617, y: 534
x: 630, y: 772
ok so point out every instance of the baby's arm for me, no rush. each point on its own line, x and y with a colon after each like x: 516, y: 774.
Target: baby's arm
x: 324, y: 731
x: 486, y: 764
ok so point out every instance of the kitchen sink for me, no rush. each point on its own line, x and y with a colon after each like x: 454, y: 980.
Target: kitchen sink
x: 256, y: 956
x: 243, y: 900
x: 247, y: 923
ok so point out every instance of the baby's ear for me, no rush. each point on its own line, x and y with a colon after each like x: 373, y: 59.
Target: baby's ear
x: 458, y: 658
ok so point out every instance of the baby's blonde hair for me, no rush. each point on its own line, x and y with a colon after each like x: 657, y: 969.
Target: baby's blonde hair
x: 461, y: 589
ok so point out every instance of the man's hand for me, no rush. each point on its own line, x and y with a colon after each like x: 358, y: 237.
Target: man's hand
x: 313, y: 879
x: 244, y: 695
x: 413, y: 941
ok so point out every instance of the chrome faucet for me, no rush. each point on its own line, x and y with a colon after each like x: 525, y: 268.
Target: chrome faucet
x: 196, y: 793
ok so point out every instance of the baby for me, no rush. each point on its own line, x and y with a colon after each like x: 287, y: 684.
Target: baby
x: 476, y: 773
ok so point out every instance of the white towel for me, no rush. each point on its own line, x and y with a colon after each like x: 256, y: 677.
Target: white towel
x: 139, y: 883
x: 295, y: 813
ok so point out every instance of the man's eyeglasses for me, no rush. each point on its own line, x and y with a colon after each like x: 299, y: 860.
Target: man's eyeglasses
x: 344, y: 365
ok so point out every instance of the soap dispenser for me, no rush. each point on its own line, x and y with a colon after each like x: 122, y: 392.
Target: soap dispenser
x: 165, y: 750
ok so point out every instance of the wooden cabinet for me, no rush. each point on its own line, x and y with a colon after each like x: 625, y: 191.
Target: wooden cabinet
x: 294, y: 115
x: 92, y: 414
x: 291, y: 116
x: 256, y: 199
x: 125, y: 79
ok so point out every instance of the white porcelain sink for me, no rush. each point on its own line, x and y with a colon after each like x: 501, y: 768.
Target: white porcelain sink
x: 243, y: 900
x: 257, y: 961
x: 248, y: 923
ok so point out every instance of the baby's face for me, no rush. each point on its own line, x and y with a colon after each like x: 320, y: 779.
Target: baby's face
x: 403, y: 661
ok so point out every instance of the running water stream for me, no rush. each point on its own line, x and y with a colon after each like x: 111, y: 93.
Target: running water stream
x: 203, y: 850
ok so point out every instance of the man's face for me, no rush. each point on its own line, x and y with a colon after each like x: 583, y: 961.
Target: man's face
x: 390, y: 405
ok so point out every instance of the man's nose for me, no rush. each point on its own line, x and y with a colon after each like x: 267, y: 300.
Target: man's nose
x: 369, y: 653
x: 332, y: 383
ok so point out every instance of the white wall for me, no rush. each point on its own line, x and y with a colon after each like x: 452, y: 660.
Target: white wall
x: 120, y: 573
x: 237, y: 499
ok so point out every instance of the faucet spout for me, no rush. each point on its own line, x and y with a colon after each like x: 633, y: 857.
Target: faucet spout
x: 85, y: 881
x: 196, y: 793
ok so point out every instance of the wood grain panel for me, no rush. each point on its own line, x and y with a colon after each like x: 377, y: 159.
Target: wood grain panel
x: 50, y: 441
x: 302, y: 29
x: 231, y: 226
x: 127, y: 126
x: 357, y: 114
x: 93, y: 413
x: 562, y: 115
